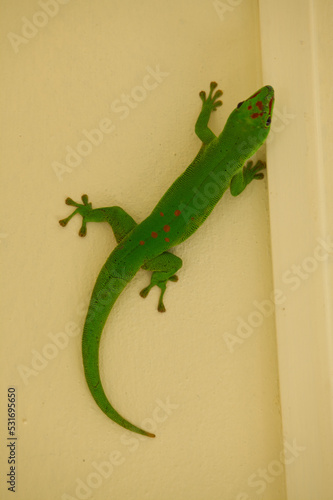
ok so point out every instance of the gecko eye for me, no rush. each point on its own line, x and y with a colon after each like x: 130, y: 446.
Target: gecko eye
x: 268, y: 122
x: 239, y: 104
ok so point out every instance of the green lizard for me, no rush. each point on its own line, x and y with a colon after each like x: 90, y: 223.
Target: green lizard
x: 218, y: 165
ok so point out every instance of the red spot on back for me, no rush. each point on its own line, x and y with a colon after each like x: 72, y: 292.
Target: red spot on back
x: 154, y: 234
x: 161, y: 214
x: 254, y: 115
x: 166, y: 228
x: 167, y: 240
x: 177, y: 213
x: 249, y: 107
x: 142, y: 242
x: 259, y: 105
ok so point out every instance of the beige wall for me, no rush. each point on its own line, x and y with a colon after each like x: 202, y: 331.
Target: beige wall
x: 299, y: 55
x: 221, y: 438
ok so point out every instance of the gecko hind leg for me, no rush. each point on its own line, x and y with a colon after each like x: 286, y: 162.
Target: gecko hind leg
x: 82, y: 209
x: 164, y: 268
x: 120, y: 221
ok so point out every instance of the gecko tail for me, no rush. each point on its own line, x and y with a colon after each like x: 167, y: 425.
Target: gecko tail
x: 91, y: 371
x: 104, y: 404
x: 109, y: 286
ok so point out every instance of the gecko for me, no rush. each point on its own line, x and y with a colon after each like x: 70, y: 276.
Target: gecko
x: 221, y: 164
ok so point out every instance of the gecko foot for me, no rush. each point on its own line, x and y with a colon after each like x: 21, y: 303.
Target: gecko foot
x: 162, y: 286
x: 251, y: 172
x: 212, y: 101
x: 82, y: 209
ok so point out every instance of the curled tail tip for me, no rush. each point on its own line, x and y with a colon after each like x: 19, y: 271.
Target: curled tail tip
x: 138, y: 430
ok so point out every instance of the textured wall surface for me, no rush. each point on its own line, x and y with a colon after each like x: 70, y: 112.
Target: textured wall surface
x: 301, y: 215
x: 101, y: 98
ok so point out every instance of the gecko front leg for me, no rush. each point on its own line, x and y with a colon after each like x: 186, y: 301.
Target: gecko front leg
x: 209, y: 104
x: 245, y: 176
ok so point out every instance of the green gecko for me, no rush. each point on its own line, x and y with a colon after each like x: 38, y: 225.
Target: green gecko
x: 219, y: 165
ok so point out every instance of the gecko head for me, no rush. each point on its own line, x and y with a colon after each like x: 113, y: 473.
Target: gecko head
x: 252, y: 117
